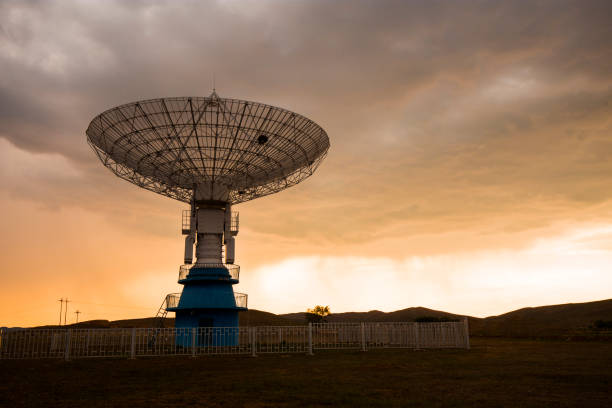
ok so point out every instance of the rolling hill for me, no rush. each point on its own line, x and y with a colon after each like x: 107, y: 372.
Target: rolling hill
x: 574, y: 320
x: 404, y: 315
x: 571, y: 319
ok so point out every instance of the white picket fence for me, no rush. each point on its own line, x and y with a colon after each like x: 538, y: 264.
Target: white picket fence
x: 132, y: 343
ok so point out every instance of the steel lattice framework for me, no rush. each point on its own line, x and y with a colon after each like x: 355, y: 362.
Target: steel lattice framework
x: 172, y: 145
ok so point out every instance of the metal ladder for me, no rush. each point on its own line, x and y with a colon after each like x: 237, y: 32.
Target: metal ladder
x: 158, y: 322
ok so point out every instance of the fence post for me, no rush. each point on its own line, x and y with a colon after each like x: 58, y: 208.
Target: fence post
x: 467, y: 333
x: 193, y: 342
x: 133, y: 344
x: 363, y: 337
x: 310, y: 339
x: 253, y: 331
x: 416, y: 336
x: 67, y: 352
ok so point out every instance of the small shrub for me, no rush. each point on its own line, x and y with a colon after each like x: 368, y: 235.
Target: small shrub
x: 603, y: 324
x: 318, y: 314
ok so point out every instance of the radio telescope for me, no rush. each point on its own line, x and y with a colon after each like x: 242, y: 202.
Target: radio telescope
x: 211, y: 153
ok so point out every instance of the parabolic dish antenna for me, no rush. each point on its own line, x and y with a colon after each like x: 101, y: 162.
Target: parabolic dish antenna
x: 230, y: 150
x: 209, y: 152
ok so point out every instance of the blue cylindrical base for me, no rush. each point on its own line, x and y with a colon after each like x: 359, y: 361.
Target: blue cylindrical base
x: 207, y: 304
x: 213, y: 327
x: 206, y: 318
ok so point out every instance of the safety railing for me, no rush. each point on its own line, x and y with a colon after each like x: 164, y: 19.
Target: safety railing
x: 172, y: 300
x: 241, y: 299
x: 234, y: 270
x: 186, y: 222
x: 132, y: 343
x: 290, y: 339
x: 234, y: 222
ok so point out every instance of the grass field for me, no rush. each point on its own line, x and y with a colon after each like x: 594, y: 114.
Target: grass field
x: 495, y: 372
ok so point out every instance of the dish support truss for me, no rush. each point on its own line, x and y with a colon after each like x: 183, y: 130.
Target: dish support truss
x: 208, y: 299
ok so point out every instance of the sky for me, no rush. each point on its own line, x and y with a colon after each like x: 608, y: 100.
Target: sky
x: 469, y: 171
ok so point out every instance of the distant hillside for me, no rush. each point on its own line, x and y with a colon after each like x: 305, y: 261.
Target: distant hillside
x: 571, y: 319
x: 123, y: 324
x: 251, y: 317
x: 254, y: 317
x: 404, y: 315
x: 574, y: 320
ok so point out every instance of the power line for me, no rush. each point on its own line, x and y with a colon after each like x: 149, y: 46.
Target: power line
x: 66, y: 310
x: 61, y: 307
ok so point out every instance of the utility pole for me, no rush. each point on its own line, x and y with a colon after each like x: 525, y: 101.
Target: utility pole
x: 77, y: 313
x: 61, y: 309
x: 65, y: 310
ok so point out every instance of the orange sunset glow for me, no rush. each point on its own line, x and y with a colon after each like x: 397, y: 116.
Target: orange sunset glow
x: 470, y: 167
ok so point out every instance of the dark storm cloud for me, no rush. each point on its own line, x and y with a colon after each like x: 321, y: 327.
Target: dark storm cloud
x: 440, y: 113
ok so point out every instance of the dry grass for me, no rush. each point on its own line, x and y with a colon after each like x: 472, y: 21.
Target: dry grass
x: 496, y: 372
